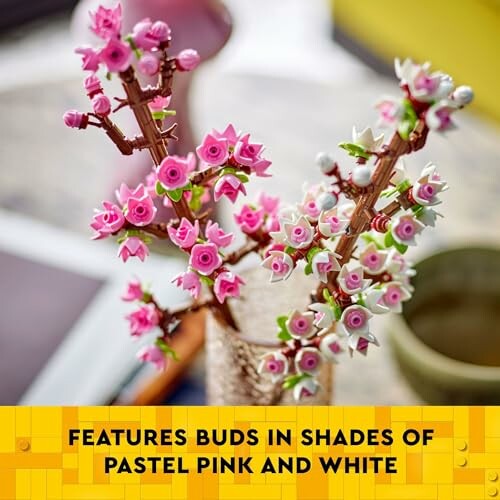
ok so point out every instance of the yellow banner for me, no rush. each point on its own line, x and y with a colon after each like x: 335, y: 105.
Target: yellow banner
x: 249, y: 453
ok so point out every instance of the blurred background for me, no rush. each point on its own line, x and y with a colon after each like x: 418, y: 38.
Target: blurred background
x: 297, y: 75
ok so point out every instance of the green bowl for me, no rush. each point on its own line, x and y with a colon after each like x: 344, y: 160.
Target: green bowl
x: 447, y: 340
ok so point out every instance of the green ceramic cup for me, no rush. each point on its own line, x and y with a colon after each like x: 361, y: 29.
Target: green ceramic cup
x: 447, y: 340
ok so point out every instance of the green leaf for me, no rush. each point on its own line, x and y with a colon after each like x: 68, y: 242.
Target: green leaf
x: 159, y: 189
x: 389, y: 241
x: 195, y: 201
x: 355, y: 150
x: 403, y: 186
x: 369, y: 238
x: 208, y: 281
x: 308, y: 269
x: 289, y: 250
x: 161, y: 344
x: 292, y: 380
x: 175, y: 195
x: 108, y: 75
x: 283, y: 334
x: 243, y: 178
x: 408, y: 121
x: 228, y: 170
x: 312, y: 252
x: 336, y: 310
x: 326, y: 295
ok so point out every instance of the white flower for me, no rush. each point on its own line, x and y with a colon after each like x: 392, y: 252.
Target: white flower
x: 394, y: 294
x: 331, y: 223
x: 438, y: 116
x: 355, y: 319
x: 463, y: 95
x: 323, y: 263
x: 390, y: 111
x: 351, y: 280
x: 308, y: 360
x: 405, y: 228
x: 309, y: 206
x: 426, y: 189
x: 366, y: 139
x: 346, y: 209
x: 280, y: 264
x: 274, y: 364
x: 360, y: 342
x: 374, y: 302
x: 305, y: 388
x: 428, y: 216
x: 397, y: 265
x: 330, y: 347
x: 324, y: 317
x: 300, y: 325
x: 399, y: 173
x: 299, y: 233
x: 372, y: 259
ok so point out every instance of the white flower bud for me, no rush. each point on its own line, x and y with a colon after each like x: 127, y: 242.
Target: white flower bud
x: 463, y: 95
x: 325, y: 162
x: 326, y: 201
x: 361, y: 176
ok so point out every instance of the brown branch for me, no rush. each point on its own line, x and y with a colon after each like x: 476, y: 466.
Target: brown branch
x: 249, y: 247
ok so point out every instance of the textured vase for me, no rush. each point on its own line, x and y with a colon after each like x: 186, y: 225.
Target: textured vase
x: 233, y: 358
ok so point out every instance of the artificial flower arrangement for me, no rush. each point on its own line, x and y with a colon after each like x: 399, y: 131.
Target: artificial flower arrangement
x: 350, y: 233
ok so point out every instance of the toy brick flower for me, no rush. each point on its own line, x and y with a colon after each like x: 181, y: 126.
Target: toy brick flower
x: 330, y: 347
x: 274, y: 364
x: 374, y: 301
x: 247, y: 153
x: 298, y: 234
x: 90, y: 58
x: 360, y: 342
x: 229, y: 134
x: 185, y: 234
x: 101, y: 105
x: 159, y: 103
x: 229, y: 186
x: 116, y: 55
x: 92, y: 85
x: 306, y: 388
x: 205, y: 258
x: 399, y: 173
x: 280, y: 264
x: 390, y: 111
x: 428, y: 216
x: 372, y: 259
x: 143, y: 320
x: 259, y: 168
x: 227, y: 284
x: 133, y: 247
x: 124, y: 193
x: 154, y: 355
x: 148, y: 35
x: 308, y: 360
x: 397, y: 265
x: 405, y: 228
x: 74, y: 119
x: 190, y: 282
x: 148, y: 64
x: 355, y: 319
x: 133, y: 292
x: 172, y: 172
x: 106, y: 23
x: 187, y: 60
x: 309, y: 206
x: 108, y: 221
x: 426, y: 189
x: 300, y: 325
x: 249, y: 219
x: 438, y: 116
x: 216, y: 235
x: 323, y: 263
x: 269, y: 203
x: 351, y: 281
x: 140, y: 211
x: 394, y: 295
x: 366, y: 139
x: 213, y: 150
x: 323, y: 315
x: 331, y: 223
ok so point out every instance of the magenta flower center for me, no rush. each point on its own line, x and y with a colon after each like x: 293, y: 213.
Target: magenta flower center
x: 275, y: 366
x: 362, y: 344
x: 279, y: 266
x: 300, y: 325
x: 309, y: 361
x: 311, y: 208
x: 173, y: 173
x: 206, y: 258
x: 426, y: 191
x: 405, y: 230
x: 426, y: 83
x: 371, y: 260
x: 334, y: 223
x: 355, y: 319
x: 334, y: 347
x: 353, y: 281
x: 392, y: 296
x: 325, y: 267
x: 299, y: 234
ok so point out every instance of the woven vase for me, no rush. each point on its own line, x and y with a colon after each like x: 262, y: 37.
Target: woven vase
x: 232, y: 358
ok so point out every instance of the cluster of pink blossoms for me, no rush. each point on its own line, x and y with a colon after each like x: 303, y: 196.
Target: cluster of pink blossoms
x: 375, y: 278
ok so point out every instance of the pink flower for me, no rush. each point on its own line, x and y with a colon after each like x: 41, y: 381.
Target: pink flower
x: 205, y: 258
x: 116, y: 55
x: 213, y: 151
x: 269, y: 203
x: 185, y: 235
x: 187, y: 60
x: 216, y: 235
x: 309, y: 206
x: 140, y: 211
x: 394, y: 295
x: 323, y: 263
x: 272, y: 223
x: 230, y: 134
x: 101, y: 105
x: 148, y: 35
x: 133, y: 247
x: 305, y: 388
x: 438, y: 116
x: 260, y: 168
x: 351, y: 280
x: 298, y: 234
x: 308, y: 360
x: 247, y: 153
x: 159, y: 103
x: 280, y: 264
x: 391, y: 110
x: 228, y: 185
x: 90, y: 58
x: 372, y: 259
x: 143, y: 320
x: 274, y: 364
x: 124, y: 193
x: 405, y: 228
x: 227, y: 284
x: 189, y: 281
x: 108, y: 221
x: 149, y: 64
x: 106, y: 23
x: 92, y: 85
x: 172, y: 172
x: 300, y: 325
x: 330, y: 346
x: 150, y: 183
x: 134, y: 292
x: 75, y: 119
x: 153, y: 354
x: 249, y: 220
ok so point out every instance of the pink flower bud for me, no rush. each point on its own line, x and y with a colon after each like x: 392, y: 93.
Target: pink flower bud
x: 75, y: 119
x: 159, y: 103
x: 148, y: 35
x: 227, y: 284
x: 249, y: 220
x: 217, y: 236
x: 92, y: 85
x: 205, y: 258
x: 140, y: 211
x: 187, y: 60
x: 230, y: 186
x: 133, y: 292
x: 149, y: 64
x: 160, y: 30
x: 133, y: 247
x: 153, y: 354
x: 189, y: 281
x: 101, y: 105
x: 90, y: 58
